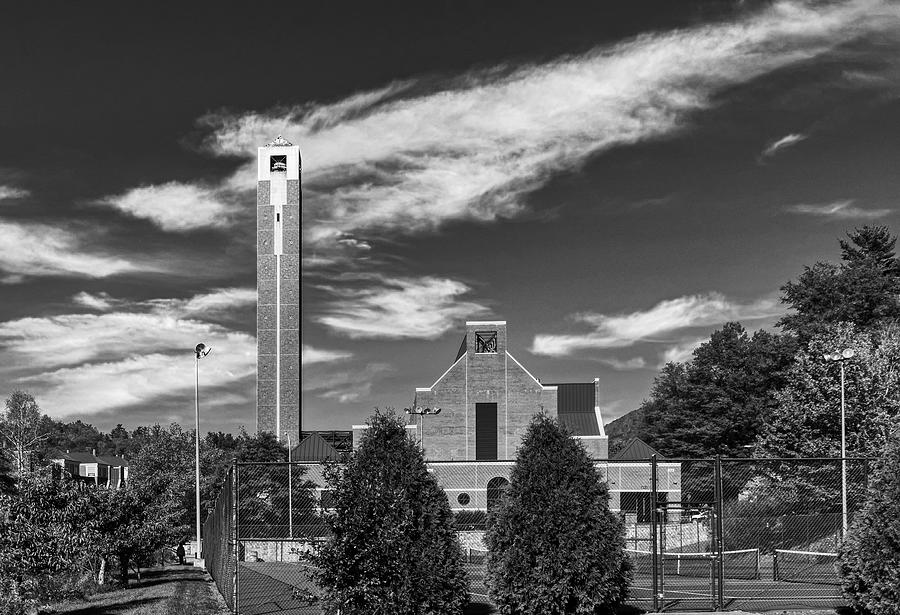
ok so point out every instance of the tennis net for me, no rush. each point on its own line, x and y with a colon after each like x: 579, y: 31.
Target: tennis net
x: 740, y: 564
x: 806, y: 567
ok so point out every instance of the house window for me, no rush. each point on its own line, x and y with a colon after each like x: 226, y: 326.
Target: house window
x: 486, y: 342
x: 277, y: 164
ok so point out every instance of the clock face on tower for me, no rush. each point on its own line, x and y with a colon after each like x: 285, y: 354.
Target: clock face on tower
x: 486, y: 342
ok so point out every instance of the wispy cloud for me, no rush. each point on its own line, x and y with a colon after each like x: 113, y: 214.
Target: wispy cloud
x: 173, y: 206
x: 11, y: 193
x: 311, y: 356
x: 840, y: 210
x: 101, y: 302
x: 666, y: 317
x: 682, y: 351
x: 131, y: 353
x: 404, y: 161
x: 624, y: 365
x: 42, y: 250
x: 782, y: 143
x: 346, y: 386
x: 395, y: 308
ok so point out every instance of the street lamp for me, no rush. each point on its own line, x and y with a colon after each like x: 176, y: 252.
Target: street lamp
x: 200, y: 351
x: 841, y: 358
x: 290, y: 486
x: 421, y: 412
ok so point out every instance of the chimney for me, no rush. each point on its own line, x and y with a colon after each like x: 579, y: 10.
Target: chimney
x: 94, y: 452
x: 67, y: 451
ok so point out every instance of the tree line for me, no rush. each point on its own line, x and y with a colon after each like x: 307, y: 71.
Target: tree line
x: 64, y: 538
x: 771, y: 393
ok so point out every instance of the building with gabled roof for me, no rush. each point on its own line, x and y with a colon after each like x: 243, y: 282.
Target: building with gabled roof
x: 107, y: 471
x: 636, y: 449
x: 487, y: 399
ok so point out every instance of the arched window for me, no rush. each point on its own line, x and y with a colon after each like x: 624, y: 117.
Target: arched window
x: 495, y: 489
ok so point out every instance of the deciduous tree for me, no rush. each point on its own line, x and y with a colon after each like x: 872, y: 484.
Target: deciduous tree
x: 20, y: 426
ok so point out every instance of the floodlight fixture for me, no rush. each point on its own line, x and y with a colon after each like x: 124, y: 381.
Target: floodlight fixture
x: 842, y: 357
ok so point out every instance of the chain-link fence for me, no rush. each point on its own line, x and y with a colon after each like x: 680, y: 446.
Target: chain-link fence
x: 702, y: 534
x: 219, y: 540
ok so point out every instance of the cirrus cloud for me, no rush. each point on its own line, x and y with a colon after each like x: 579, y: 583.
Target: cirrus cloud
x: 666, y: 317
x: 839, y: 210
x: 398, y: 307
x: 405, y: 161
x: 173, y: 206
x: 31, y: 250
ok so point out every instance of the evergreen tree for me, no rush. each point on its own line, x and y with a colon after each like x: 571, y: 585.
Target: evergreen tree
x: 554, y: 547
x: 864, y: 289
x: 870, y: 556
x: 393, y: 548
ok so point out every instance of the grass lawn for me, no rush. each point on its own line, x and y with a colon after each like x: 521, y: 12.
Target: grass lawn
x: 172, y: 590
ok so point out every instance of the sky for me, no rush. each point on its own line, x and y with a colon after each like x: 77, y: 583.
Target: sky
x: 615, y: 180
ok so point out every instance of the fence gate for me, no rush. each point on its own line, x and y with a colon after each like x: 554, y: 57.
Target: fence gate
x: 685, y: 565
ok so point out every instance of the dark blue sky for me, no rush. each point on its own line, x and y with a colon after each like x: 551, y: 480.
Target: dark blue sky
x: 614, y: 181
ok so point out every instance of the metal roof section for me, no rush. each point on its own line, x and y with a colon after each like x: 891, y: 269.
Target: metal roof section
x: 576, y: 407
x: 637, y: 450
x: 314, y: 448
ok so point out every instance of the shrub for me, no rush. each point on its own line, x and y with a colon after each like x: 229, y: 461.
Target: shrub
x: 553, y: 545
x: 393, y: 548
x: 870, y: 555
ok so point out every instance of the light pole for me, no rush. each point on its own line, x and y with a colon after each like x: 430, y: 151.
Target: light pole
x: 421, y: 412
x: 200, y: 351
x: 841, y: 358
x: 290, y: 486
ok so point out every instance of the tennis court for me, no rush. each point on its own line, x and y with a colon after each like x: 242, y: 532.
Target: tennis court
x: 751, y: 580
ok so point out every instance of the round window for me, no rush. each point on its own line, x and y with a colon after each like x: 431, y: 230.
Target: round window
x: 463, y: 498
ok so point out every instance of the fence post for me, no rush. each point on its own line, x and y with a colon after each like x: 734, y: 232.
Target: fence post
x: 237, y: 541
x: 720, y: 547
x: 654, y: 557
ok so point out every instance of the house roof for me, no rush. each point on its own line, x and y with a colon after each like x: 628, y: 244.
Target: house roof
x: 110, y: 460
x: 78, y: 457
x: 314, y: 448
x: 575, y: 403
x: 636, y: 450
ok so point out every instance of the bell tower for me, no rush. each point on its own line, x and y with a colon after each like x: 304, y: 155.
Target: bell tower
x: 278, y: 286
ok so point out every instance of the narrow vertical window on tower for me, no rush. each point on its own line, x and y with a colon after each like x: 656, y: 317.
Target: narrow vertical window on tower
x: 278, y: 164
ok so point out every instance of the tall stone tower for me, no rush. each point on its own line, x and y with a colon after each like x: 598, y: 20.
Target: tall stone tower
x: 278, y: 285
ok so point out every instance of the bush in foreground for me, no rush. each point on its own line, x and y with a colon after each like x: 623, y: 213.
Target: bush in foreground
x: 393, y: 547
x: 870, y: 556
x: 554, y: 547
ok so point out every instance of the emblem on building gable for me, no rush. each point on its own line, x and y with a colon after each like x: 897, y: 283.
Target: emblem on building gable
x: 485, y: 341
